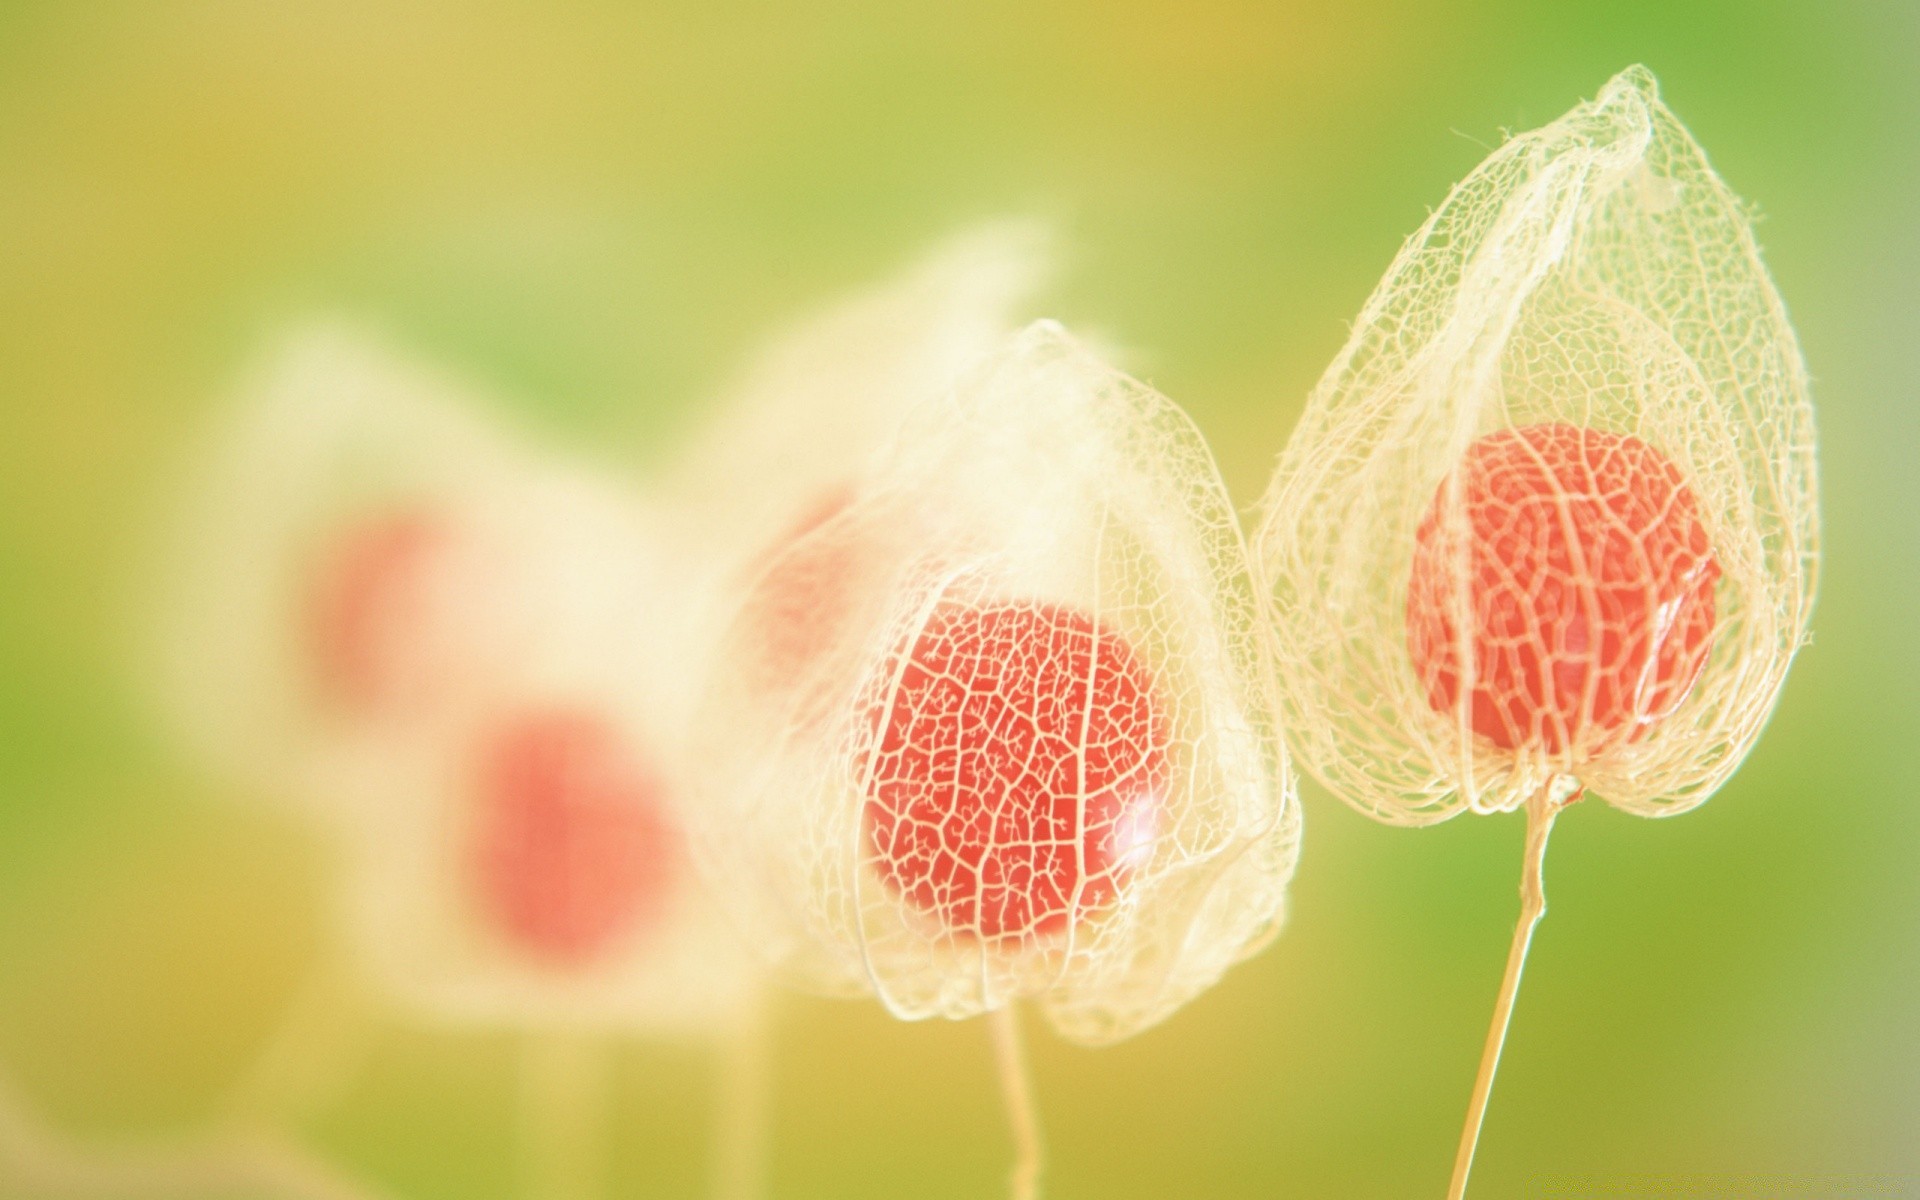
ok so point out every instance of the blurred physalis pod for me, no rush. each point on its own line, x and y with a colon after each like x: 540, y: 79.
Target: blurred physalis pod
x: 791, y: 435
x: 453, y: 649
x: 360, y: 554
x: 997, y: 727
x: 1549, y: 522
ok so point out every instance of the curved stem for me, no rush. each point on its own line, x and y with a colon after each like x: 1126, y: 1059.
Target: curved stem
x: 45, y: 1162
x: 740, y: 1107
x: 1533, y: 905
x: 1016, y: 1085
x: 302, y: 1066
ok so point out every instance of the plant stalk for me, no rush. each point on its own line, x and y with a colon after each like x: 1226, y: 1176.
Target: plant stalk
x: 740, y: 1106
x: 1016, y: 1085
x: 1541, y: 811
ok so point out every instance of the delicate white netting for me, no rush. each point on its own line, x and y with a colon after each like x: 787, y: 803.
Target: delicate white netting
x: 1594, y: 289
x: 454, y: 653
x: 998, y: 726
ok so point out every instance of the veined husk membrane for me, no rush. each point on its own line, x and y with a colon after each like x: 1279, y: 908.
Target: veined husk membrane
x: 789, y: 451
x: 1548, y: 524
x: 998, y: 727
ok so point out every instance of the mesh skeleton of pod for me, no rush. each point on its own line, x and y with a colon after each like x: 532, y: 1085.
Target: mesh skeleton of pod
x: 1021, y: 742
x: 420, y: 629
x: 1548, y: 522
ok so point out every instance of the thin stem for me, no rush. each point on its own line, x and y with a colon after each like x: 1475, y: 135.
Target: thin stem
x: 1016, y: 1086
x: 1533, y: 905
x: 740, y: 1107
x: 561, y: 1114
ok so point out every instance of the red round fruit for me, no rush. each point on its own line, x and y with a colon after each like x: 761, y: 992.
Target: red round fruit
x: 800, y: 605
x: 373, y: 595
x: 573, y: 851
x: 1589, y: 587
x: 1020, y: 771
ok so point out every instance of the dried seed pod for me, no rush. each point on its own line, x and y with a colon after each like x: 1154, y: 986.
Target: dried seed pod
x: 834, y: 386
x: 359, y: 554
x: 795, y: 430
x: 307, y: 586
x: 453, y: 651
x: 784, y: 457
x: 1027, y: 746
x: 1548, y: 522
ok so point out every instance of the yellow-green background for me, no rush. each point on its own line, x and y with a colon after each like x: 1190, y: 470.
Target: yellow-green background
x: 597, y: 208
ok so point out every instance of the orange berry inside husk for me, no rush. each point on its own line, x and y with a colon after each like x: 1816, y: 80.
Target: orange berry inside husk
x: 1588, y: 584
x: 1022, y: 767
x: 372, y: 612
x: 572, y: 851
x: 794, y: 613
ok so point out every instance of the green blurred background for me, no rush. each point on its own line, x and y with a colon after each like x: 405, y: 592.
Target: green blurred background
x: 598, y: 209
